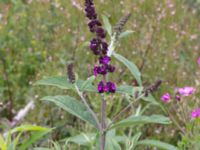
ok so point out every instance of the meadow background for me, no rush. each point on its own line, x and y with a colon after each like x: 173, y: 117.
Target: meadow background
x: 39, y: 37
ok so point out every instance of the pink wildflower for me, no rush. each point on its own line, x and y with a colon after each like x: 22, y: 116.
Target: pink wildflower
x: 186, y: 91
x: 195, y: 113
x: 166, y: 97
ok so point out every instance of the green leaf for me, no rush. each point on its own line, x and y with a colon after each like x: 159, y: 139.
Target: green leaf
x: 135, y: 120
x: 107, y: 24
x: 131, y: 66
x: 158, y: 144
x: 3, y: 144
x: 33, y: 138
x: 56, y: 145
x: 134, y: 141
x: 62, y: 83
x: 58, y: 81
x: 86, y: 84
x: 111, y: 142
x: 125, y: 34
x: 72, y: 106
x: 127, y: 89
x: 82, y: 139
x: 25, y: 128
x: 150, y: 99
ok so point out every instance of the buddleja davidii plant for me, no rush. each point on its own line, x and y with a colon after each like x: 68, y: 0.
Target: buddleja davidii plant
x: 107, y: 139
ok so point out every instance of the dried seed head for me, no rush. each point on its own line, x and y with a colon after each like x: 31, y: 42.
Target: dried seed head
x: 70, y: 73
x: 120, y: 25
x: 152, y: 88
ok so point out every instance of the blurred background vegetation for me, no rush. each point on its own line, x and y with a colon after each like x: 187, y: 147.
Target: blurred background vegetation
x: 39, y: 37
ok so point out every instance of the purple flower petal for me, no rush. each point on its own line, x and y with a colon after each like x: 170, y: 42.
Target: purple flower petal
x: 111, y: 86
x: 101, y: 87
x: 104, y: 60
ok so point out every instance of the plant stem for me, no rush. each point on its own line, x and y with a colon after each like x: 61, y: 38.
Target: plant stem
x: 88, y: 108
x: 175, y: 122
x: 103, y: 124
x: 124, y: 110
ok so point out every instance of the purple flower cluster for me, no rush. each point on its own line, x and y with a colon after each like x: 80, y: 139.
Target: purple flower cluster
x: 99, y: 47
x: 195, y: 113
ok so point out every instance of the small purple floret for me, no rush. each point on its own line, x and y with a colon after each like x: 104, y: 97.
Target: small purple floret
x: 102, y: 70
x: 93, y: 25
x: 101, y: 32
x: 94, y: 44
x: 104, y: 60
x: 101, y: 87
x: 110, y: 68
x: 111, y: 86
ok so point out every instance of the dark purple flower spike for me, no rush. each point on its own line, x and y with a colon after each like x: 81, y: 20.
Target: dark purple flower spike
x: 99, y: 47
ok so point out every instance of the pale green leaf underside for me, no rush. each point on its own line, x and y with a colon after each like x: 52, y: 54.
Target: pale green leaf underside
x: 135, y: 120
x: 82, y: 139
x: 158, y: 144
x: 72, y: 106
x: 107, y: 24
x: 131, y: 66
x: 125, y: 34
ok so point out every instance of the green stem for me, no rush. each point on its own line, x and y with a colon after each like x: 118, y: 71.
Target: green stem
x: 88, y: 108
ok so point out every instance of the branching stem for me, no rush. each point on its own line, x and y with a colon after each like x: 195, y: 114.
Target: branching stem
x: 88, y: 108
x: 124, y: 110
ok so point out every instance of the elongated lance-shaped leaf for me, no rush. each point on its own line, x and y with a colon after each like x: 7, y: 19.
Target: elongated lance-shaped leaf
x: 62, y: 83
x: 131, y: 66
x: 32, y: 139
x: 72, y: 106
x: 82, y: 139
x: 158, y: 144
x: 135, y: 120
x: 3, y: 144
x: 125, y: 34
x: 133, y: 141
x: 107, y: 24
x: 25, y: 128
x: 86, y: 84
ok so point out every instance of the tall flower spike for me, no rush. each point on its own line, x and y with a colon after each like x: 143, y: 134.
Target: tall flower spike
x: 99, y: 47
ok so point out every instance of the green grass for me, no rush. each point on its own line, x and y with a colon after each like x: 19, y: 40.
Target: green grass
x: 38, y: 39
